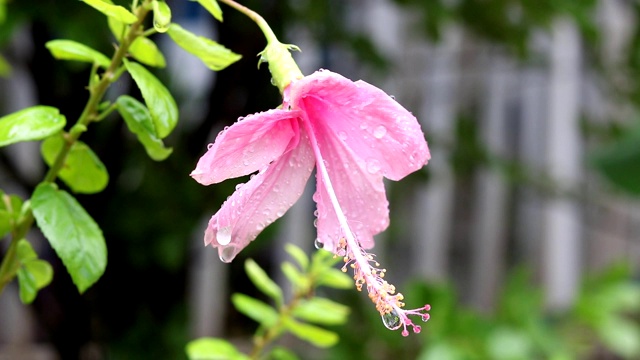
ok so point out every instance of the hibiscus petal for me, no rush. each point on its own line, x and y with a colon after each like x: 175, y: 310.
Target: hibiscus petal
x: 383, y: 134
x: 246, y: 146
x: 361, y: 195
x: 259, y: 202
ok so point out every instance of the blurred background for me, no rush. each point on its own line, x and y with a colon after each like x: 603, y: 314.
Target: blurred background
x: 523, y: 232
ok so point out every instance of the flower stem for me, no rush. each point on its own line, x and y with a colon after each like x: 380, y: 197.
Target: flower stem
x: 259, y: 20
x: 10, y: 265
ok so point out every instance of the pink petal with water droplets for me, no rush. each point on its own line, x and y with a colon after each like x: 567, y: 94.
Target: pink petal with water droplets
x: 262, y: 200
x: 366, y: 119
x: 360, y: 194
x: 246, y: 146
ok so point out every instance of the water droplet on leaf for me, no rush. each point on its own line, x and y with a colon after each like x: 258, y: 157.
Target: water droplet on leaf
x: 391, y: 320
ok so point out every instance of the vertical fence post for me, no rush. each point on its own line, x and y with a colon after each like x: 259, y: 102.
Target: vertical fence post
x: 562, y: 232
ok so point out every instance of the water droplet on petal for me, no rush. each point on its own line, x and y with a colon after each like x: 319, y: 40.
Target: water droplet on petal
x: 209, y: 146
x: 224, y: 235
x: 342, y: 135
x: 273, y: 82
x: 363, y: 125
x: 315, y: 222
x: 280, y: 213
x: 373, y: 166
x: 391, y: 320
x: 380, y: 132
x: 227, y: 254
x: 260, y: 226
x: 318, y: 244
x: 239, y: 186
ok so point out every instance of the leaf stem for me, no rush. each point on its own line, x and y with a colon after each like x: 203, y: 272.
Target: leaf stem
x: 10, y: 265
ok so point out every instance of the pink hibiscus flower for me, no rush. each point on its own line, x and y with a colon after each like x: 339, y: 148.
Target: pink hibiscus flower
x: 355, y: 134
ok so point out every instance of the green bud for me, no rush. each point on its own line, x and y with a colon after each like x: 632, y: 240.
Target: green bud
x: 281, y: 64
x: 161, y: 16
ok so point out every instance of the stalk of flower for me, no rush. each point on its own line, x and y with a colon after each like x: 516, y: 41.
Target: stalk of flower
x: 353, y: 133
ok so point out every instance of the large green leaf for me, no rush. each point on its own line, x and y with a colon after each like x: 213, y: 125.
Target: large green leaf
x: 146, y: 51
x: 321, y: 311
x: 34, y: 123
x: 313, y: 334
x: 73, y: 50
x: 82, y: 171
x: 207, y: 348
x: 33, y: 274
x: 262, y: 281
x: 213, y: 7
x: 115, y: 11
x: 255, y: 309
x: 213, y: 55
x: 72, y: 233
x: 161, y: 105
x: 139, y: 122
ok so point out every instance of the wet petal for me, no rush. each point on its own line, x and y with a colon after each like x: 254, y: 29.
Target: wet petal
x: 246, y: 146
x: 259, y: 202
x: 360, y: 194
x: 371, y: 123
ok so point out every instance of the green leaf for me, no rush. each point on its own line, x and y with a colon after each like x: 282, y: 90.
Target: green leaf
x: 255, y: 309
x: 5, y: 222
x: 322, y: 311
x: 145, y: 50
x: 115, y: 11
x: 335, y: 278
x: 298, y: 279
x: 281, y: 353
x: 34, y: 123
x: 161, y: 16
x: 25, y: 252
x: 313, y: 334
x: 622, y: 336
x: 117, y: 27
x: 298, y: 255
x: 139, y: 122
x: 72, y: 233
x: 207, y: 348
x: 34, y: 274
x: 161, y: 105
x: 213, y: 7
x: 262, y: 281
x: 5, y: 67
x: 82, y: 171
x: 73, y: 50
x: 215, y: 56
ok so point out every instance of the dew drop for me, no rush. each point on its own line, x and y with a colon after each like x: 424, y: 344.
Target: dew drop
x: 227, y: 254
x: 342, y: 135
x: 391, y: 320
x: 373, y: 166
x: 380, y: 132
x: 209, y: 146
x: 392, y: 97
x: 260, y: 226
x: 315, y: 223
x: 318, y: 244
x: 245, y: 163
x: 239, y: 186
x: 273, y: 81
x: 363, y: 126
x: 280, y: 213
x: 224, y: 235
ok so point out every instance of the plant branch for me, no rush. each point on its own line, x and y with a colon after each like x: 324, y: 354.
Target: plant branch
x: 90, y: 113
x: 259, y: 20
